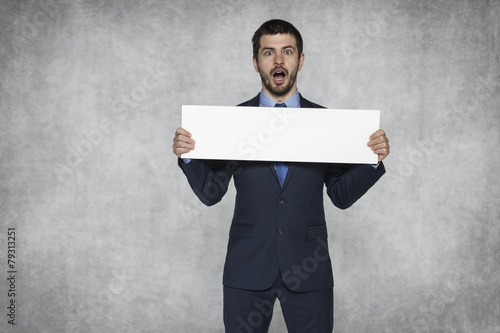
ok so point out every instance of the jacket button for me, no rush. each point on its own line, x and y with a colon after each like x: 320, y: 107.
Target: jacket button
x: 281, y: 202
x: 280, y: 231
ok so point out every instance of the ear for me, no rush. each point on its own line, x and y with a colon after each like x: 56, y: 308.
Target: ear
x: 255, y: 65
x: 301, y: 61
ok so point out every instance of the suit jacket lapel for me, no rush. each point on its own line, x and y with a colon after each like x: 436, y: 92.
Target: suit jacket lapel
x: 273, y: 171
x: 289, y: 174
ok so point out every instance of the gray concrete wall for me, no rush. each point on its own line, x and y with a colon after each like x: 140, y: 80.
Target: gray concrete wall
x: 109, y: 236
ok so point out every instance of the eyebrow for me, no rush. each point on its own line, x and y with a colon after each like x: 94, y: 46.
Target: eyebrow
x: 273, y: 48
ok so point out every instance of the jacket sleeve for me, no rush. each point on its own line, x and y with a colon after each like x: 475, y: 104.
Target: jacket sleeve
x: 346, y: 183
x: 208, y: 179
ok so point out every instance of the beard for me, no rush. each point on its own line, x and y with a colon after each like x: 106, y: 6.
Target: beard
x: 282, y: 89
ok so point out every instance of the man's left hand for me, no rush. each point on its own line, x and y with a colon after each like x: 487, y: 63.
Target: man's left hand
x: 379, y: 144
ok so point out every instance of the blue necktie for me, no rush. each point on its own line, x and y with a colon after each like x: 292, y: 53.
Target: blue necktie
x: 281, y: 167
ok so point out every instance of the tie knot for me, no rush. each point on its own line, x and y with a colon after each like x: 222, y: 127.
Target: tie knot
x: 280, y: 105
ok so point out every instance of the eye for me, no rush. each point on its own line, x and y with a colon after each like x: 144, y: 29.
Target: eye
x: 288, y: 52
x: 268, y: 53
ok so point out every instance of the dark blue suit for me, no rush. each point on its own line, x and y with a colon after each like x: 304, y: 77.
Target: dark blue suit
x: 279, y: 229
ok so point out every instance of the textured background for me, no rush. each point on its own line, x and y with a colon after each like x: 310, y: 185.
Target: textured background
x: 110, y: 237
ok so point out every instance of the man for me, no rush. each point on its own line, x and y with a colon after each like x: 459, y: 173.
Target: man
x: 277, y: 241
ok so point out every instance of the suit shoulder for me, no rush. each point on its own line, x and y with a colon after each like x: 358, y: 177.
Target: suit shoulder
x: 305, y: 103
x: 251, y: 102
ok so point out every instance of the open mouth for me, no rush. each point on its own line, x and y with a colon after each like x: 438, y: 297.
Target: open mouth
x: 279, y: 76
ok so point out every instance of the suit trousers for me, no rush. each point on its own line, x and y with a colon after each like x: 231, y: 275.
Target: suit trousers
x: 249, y: 311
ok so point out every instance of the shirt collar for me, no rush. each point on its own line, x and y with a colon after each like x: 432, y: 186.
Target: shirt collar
x: 292, y: 102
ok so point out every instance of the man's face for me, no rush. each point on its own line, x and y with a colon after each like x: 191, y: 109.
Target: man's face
x: 278, y: 63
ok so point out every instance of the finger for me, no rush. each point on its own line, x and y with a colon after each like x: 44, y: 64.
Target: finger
x: 183, y: 138
x: 182, y: 131
x: 179, y: 151
x: 183, y: 144
x: 378, y: 140
x: 382, y: 153
x: 377, y: 133
x: 384, y: 144
x: 181, y: 148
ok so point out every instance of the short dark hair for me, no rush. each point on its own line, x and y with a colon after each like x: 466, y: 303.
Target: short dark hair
x: 276, y: 27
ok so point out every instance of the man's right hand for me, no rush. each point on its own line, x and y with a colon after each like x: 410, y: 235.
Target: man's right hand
x: 182, y: 142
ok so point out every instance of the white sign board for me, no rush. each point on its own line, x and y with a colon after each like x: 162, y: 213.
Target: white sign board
x: 280, y: 134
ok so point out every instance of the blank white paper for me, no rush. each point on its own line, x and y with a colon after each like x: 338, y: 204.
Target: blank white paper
x: 281, y: 134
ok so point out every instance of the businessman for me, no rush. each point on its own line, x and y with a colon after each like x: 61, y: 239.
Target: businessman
x: 277, y: 245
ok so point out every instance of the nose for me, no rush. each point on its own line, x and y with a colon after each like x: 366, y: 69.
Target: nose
x: 278, y: 59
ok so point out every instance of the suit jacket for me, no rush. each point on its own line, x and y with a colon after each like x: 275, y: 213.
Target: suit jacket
x: 279, y: 230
